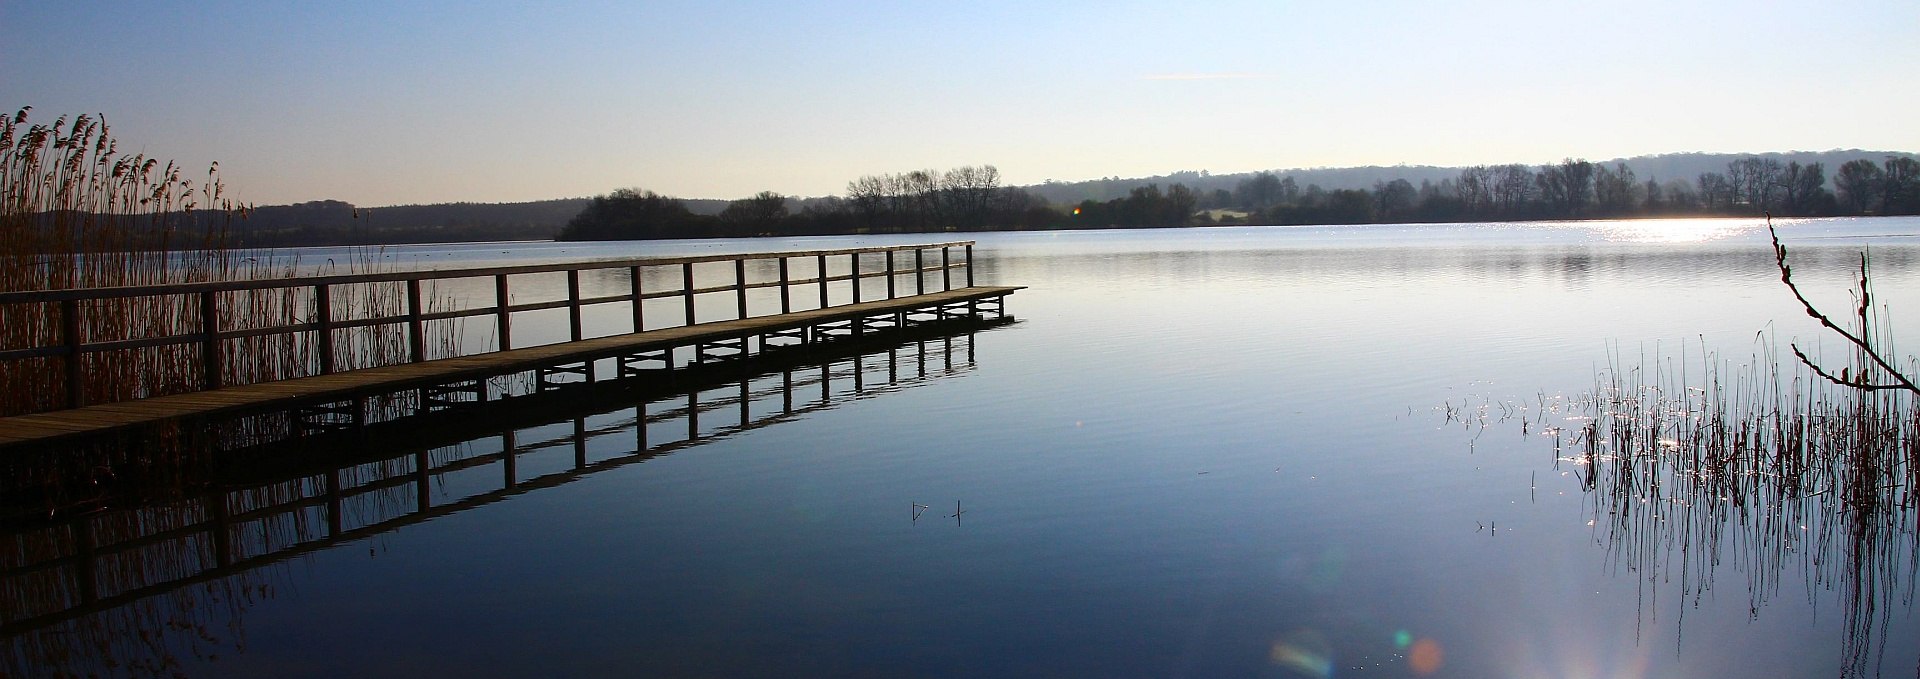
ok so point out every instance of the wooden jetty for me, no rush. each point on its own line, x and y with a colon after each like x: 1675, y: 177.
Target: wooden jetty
x: 285, y: 503
x: 901, y: 288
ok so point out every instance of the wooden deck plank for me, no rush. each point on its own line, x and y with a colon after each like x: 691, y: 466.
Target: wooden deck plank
x: 102, y: 418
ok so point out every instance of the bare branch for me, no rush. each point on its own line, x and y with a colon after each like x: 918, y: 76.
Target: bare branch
x: 1901, y: 381
x: 1842, y: 379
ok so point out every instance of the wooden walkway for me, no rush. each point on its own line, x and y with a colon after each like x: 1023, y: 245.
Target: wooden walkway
x: 298, y: 500
x: 285, y: 395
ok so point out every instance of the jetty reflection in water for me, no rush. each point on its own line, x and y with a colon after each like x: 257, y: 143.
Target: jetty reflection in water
x: 151, y: 588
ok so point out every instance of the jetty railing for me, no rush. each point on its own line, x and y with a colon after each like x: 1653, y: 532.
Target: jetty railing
x: 139, y: 563
x: 215, y: 331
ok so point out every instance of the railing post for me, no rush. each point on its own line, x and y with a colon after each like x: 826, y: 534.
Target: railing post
x: 786, y: 298
x: 853, y: 269
x: 508, y: 452
x: 740, y: 285
x: 890, y: 274
x: 502, y: 311
x: 335, y: 522
x: 579, y: 442
x: 686, y: 288
x: 70, y: 336
x: 210, y: 358
x: 639, y: 297
x: 693, y: 415
x: 969, y: 265
x: 220, y: 528
x: 422, y: 474
x: 573, y: 303
x: 821, y: 263
x: 416, y: 326
x: 323, y: 319
x: 946, y: 269
x: 919, y: 272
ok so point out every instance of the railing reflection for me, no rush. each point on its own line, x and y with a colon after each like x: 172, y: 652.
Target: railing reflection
x: 136, y: 590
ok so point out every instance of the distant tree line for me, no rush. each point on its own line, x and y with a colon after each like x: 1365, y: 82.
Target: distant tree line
x: 1577, y: 189
x: 967, y: 198
x: 972, y: 199
x: 332, y: 222
x: 1145, y: 206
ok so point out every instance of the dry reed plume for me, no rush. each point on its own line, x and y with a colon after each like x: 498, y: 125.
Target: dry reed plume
x: 76, y: 212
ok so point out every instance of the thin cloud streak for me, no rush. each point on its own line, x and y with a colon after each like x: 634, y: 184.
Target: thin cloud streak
x: 1204, y: 76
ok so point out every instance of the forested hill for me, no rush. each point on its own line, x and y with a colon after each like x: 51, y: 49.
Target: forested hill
x: 332, y: 222
x: 1665, y: 167
x: 1681, y: 183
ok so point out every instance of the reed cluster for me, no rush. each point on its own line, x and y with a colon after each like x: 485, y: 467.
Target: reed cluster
x: 1776, y: 466
x: 1765, y: 469
x: 77, y: 212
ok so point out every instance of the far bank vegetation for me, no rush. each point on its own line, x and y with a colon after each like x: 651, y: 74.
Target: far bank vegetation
x: 972, y: 199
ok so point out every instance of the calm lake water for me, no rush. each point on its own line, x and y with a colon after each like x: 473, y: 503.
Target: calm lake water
x: 1198, y: 453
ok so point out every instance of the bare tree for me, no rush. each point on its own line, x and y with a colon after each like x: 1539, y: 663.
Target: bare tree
x: 1567, y: 186
x: 1613, y: 190
x: 1803, y: 189
x: 1858, y: 183
x: 1512, y: 188
x: 968, y: 195
x: 1258, y: 192
x: 1476, y: 189
x: 759, y: 214
x: 1717, y: 191
x: 868, y: 195
x: 1394, y: 200
x: 1900, y: 186
x: 1680, y: 195
x: 1754, y: 180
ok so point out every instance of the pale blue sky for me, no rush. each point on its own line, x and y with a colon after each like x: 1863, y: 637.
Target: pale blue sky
x: 380, y: 103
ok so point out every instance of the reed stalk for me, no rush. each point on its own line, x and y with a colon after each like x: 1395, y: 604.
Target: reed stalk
x: 77, y: 212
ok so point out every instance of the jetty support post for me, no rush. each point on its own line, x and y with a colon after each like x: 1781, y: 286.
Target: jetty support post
x: 740, y: 285
x: 639, y: 299
x: 820, y: 264
x: 416, y: 325
x: 323, y: 327
x: 853, y: 270
x: 502, y: 312
x: 890, y: 275
x: 209, y: 340
x: 686, y: 289
x: 70, y: 336
x: 786, y: 293
x: 573, y: 303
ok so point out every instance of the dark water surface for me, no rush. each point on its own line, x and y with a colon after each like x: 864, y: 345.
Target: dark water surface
x: 1199, y: 453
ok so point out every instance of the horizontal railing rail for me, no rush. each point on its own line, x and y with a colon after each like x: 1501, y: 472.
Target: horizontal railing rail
x: 238, y: 527
x: 214, y: 331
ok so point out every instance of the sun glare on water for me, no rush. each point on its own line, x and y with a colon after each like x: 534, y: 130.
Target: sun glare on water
x: 1673, y: 230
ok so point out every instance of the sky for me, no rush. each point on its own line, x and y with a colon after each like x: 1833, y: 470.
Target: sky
x: 387, y: 103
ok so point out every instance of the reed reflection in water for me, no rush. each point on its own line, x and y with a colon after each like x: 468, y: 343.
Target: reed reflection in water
x: 1694, y: 467
x: 158, y: 587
